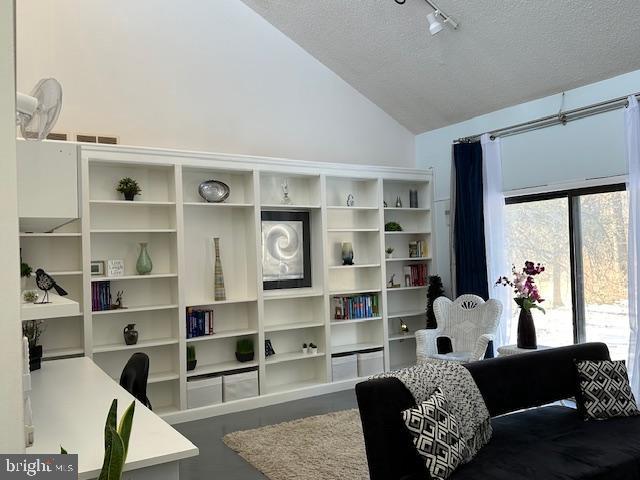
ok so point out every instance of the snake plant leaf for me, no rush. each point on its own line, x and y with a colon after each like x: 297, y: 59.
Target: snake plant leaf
x: 109, y: 425
x: 104, y: 472
x: 124, y: 428
x: 116, y: 456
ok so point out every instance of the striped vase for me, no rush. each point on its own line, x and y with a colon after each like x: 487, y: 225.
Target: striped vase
x: 217, y: 272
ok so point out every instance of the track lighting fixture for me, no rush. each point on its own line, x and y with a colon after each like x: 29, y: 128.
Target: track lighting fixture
x: 435, y: 25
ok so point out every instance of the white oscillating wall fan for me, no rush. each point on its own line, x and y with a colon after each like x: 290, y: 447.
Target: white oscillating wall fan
x: 37, y: 113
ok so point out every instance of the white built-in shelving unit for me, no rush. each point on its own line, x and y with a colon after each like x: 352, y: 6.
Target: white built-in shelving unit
x: 179, y: 226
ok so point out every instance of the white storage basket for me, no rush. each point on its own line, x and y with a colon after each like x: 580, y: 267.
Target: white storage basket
x: 203, y: 392
x: 370, y: 363
x: 344, y: 368
x: 239, y: 385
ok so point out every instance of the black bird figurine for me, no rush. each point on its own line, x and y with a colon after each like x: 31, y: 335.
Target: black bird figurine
x: 45, y: 282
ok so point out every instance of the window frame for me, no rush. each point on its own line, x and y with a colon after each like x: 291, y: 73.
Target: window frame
x: 575, y: 244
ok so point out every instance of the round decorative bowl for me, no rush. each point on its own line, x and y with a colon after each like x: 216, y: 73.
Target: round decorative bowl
x: 214, y: 191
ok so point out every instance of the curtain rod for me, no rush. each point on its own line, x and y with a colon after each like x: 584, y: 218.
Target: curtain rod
x: 561, y: 118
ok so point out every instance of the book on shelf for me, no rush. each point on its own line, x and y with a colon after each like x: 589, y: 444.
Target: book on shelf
x: 418, y: 249
x: 199, y: 322
x: 415, y: 275
x: 100, y: 296
x: 355, y: 307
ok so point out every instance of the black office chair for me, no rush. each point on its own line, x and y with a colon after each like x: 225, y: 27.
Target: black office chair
x: 134, y: 377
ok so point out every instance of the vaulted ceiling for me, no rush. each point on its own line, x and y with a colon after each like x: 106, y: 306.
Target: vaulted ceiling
x: 504, y: 53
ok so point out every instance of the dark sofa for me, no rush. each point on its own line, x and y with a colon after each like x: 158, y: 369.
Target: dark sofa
x: 551, y: 442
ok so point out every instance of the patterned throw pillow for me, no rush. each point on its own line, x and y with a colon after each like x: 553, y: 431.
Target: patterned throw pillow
x: 604, y: 390
x: 435, y: 434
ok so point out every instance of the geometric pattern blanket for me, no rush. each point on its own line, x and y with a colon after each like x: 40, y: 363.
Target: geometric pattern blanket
x: 465, y: 399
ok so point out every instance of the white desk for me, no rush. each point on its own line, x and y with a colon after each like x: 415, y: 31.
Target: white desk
x: 70, y: 400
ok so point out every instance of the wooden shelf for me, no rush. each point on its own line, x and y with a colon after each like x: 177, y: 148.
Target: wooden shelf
x: 228, y: 334
x: 354, y: 320
x: 292, y: 326
x: 409, y: 232
x: 218, y: 205
x: 278, y: 206
x: 135, y: 203
x: 355, y: 291
x: 349, y: 267
x: 354, y: 347
x: 116, y: 347
x: 62, y: 273
x: 291, y: 293
x: 59, y: 307
x: 410, y: 313
x: 352, y: 230
x: 133, y: 230
x: 229, y: 301
x: 291, y: 356
x: 404, y: 289
x: 133, y: 277
x: 406, y: 209
x: 221, y: 367
x: 334, y: 207
x: 138, y: 308
x: 408, y: 259
x: 399, y: 336
x: 50, y: 235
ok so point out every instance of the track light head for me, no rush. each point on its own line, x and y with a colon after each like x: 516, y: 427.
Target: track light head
x: 434, y: 24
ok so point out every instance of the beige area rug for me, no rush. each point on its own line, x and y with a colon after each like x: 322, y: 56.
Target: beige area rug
x: 324, y: 447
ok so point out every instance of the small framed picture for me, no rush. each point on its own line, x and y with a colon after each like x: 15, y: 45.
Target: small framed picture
x: 97, y: 267
x: 115, y: 268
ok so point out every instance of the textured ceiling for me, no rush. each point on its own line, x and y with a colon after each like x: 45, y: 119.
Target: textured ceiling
x: 505, y: 52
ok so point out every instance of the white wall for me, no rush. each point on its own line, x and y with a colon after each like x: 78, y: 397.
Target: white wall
x: 11, y: 420
x: 585, y: 149
x: 199, y: 75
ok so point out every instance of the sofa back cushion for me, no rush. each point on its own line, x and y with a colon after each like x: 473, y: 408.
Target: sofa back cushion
x: 532, y: 379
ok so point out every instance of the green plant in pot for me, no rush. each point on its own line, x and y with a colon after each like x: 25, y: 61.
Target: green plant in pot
x: 129, y: 188
x: 33, y: 330
x: 392, y: 227
x: 25, y: 273
x: 192, y: 361
x: 116, y: 441
x: 244, y: 350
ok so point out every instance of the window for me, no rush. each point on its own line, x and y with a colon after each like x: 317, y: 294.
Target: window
x: 581, y: 237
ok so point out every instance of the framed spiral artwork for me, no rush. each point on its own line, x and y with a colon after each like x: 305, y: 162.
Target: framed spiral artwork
x: 286, y: 250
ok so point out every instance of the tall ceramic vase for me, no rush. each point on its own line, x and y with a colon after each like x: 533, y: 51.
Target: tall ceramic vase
x: 144, y: 265
x: 526, y: 330
x: 218, y: 276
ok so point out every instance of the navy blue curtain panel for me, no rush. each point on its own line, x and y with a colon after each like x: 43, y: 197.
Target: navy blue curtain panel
x: 468, y: 234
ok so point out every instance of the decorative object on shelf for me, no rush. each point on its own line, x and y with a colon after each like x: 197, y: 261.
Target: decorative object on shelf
x: 347, y: 253
x: 286, y: 200
x: 30, y: 296
x: 406, y: 270
x: 392, y: 227
x: 413, y: 198
x: 116, y: 441
x: 313, y: 348
x: 417, y: 249
x: 129, y: 188
x: 33, y: 330
x: 384, y: 204
x: 191, y: 357
x: 305, y: 348
x: 286, y: 250
x: 97, y: 267
x: 339, y: 311
x: 144, y: 265
x: 404, y: 328
x: 118, y: 304
x: 214, y: 191
x: 46, y: 282
x: 25, y: 272
x: 388, y: 252
x: 115, y: 268
x: 391, y: 283
x: 527, y: 296
x: 130, y: 334
x: 351, y: 201
x: 268, y: 348
x: 244, y: 350
x: 398, y: 202
x: 435, y: 290
x: 218, y: 277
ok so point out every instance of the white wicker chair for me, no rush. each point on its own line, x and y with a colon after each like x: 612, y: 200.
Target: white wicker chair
x: 469, y: 322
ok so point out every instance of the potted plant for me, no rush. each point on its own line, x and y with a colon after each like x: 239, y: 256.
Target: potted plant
x: 527, y: 296
x: 313, y: 348
x: 392, y: 227
x: 244, y: 350
x: 389, y: 252
x: 435, y: 290
x: 25, y: 273
x: 129, y: 188
x: 116, y: 441
x: 33, y: 329
x: 191, y: 357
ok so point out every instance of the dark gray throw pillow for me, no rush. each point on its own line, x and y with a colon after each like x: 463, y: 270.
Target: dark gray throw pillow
x: 435, y: 434
x: 604, y: 390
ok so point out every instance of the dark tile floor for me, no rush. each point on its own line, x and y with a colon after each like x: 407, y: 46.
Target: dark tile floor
x: 217, y: 462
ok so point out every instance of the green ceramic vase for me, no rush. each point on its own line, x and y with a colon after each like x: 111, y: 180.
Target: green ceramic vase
x: 144, y: 265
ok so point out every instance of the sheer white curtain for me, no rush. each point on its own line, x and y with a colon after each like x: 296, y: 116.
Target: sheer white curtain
x: 495, y: 240
x: 632, y: 135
